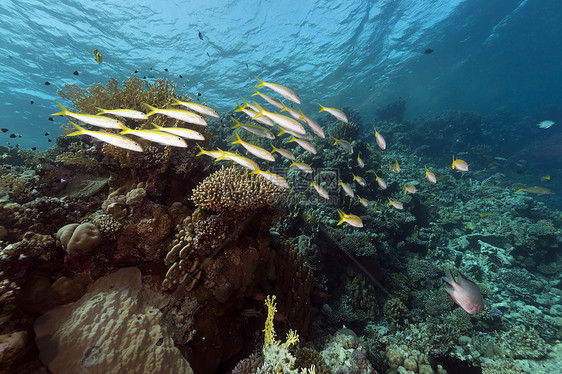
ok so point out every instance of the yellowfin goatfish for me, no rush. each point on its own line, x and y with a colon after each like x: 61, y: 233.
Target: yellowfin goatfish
x: 459, y: 165
x: 536, y: 190
x: 302, y: 166
x: 273, y: 101
x: 254, y: 149
x: 381, y: 182
x: 314, y: 126
x: 293, y: 112
x: 262, y: 132
x: 545, y: 178
x: 350, y: 219
x: 213, y: 154
x: 305, y: 136
x: 359, y: 180
x: 180, y: 131
x: 366, y: 203
x: 202, y: 109
x: 97, y: 56
x: 303, y: 143
x: 395, y: 204
x: 430, y: 176
x: 281, y: 120
x: 335, y: 112
x: 253, y: 107
x: 286, y: 92
x: 394, y: 168
x: 113, y: 139
x: 126, y: 113
x: 283, y: 152
x: 90, y: 119
x: 273, y: 178
x: 380, y: 140
x: 410, y: 189
x: 240, y: 160
x: 348, y: 190
x: 344, y: 144
x: 321, y: 191
x: 182, y: 115
x: 163, y: 138
x: 250, y: 113
x: 360, y: 161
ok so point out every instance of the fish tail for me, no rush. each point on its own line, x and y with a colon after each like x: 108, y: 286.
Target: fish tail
x: 257, y: 92
x: 342, y: 217
x: 245, y: 102
x: 101, y: 111
x: 201, y: 150
x: 80, y: 130
x: 151, y: 108
x: 63, y: 110
x: 239, y: 109
x: 125, y: 129
x: 281, y: 132
x: 259, y: 114
x: 323, y: 108
x: 176, y: 101
x: 238, y: 139
x: 262, y: 83
x: 335, y: 140
x: 284, y: 107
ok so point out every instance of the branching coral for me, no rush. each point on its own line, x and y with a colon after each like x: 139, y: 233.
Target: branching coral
x: 236, y: 191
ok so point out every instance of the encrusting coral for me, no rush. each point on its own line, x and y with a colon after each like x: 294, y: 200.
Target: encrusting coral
x: 76, y: 337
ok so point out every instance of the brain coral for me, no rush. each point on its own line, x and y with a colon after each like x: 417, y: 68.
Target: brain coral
x: 114, y: 328
x: 231, y: 190
x: 79, y: 239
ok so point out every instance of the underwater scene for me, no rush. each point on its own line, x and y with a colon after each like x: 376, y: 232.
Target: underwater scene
x: 281, y: 187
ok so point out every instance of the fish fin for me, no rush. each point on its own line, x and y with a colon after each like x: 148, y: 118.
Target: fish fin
x: 323, y: 108
x: 125, y: 129
x: 201, y: 150
x: 448, y: 278
x: 259, y: 114
x: 262, y: 83
x: 63, y: 110
x: 101, y: 111
x: 284, y: 107
x: 257, y: 92
x: 238, y: 139
x: 151, y: 108
x: 342, y: 217
x: 80, y: 130
x: 176, y: 101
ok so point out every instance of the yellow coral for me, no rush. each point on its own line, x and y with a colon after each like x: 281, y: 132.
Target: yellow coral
x: 292, y: 338
x: 269, y: 331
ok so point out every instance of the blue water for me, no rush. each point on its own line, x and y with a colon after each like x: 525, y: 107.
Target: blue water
x: 360, y: 54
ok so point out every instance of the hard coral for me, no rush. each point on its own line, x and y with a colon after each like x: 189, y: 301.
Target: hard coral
x: 236, y: 191
x: 84, y: 343
x: 79, y: 239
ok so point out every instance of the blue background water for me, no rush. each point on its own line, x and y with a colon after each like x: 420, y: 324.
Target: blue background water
x: 360, y: 54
